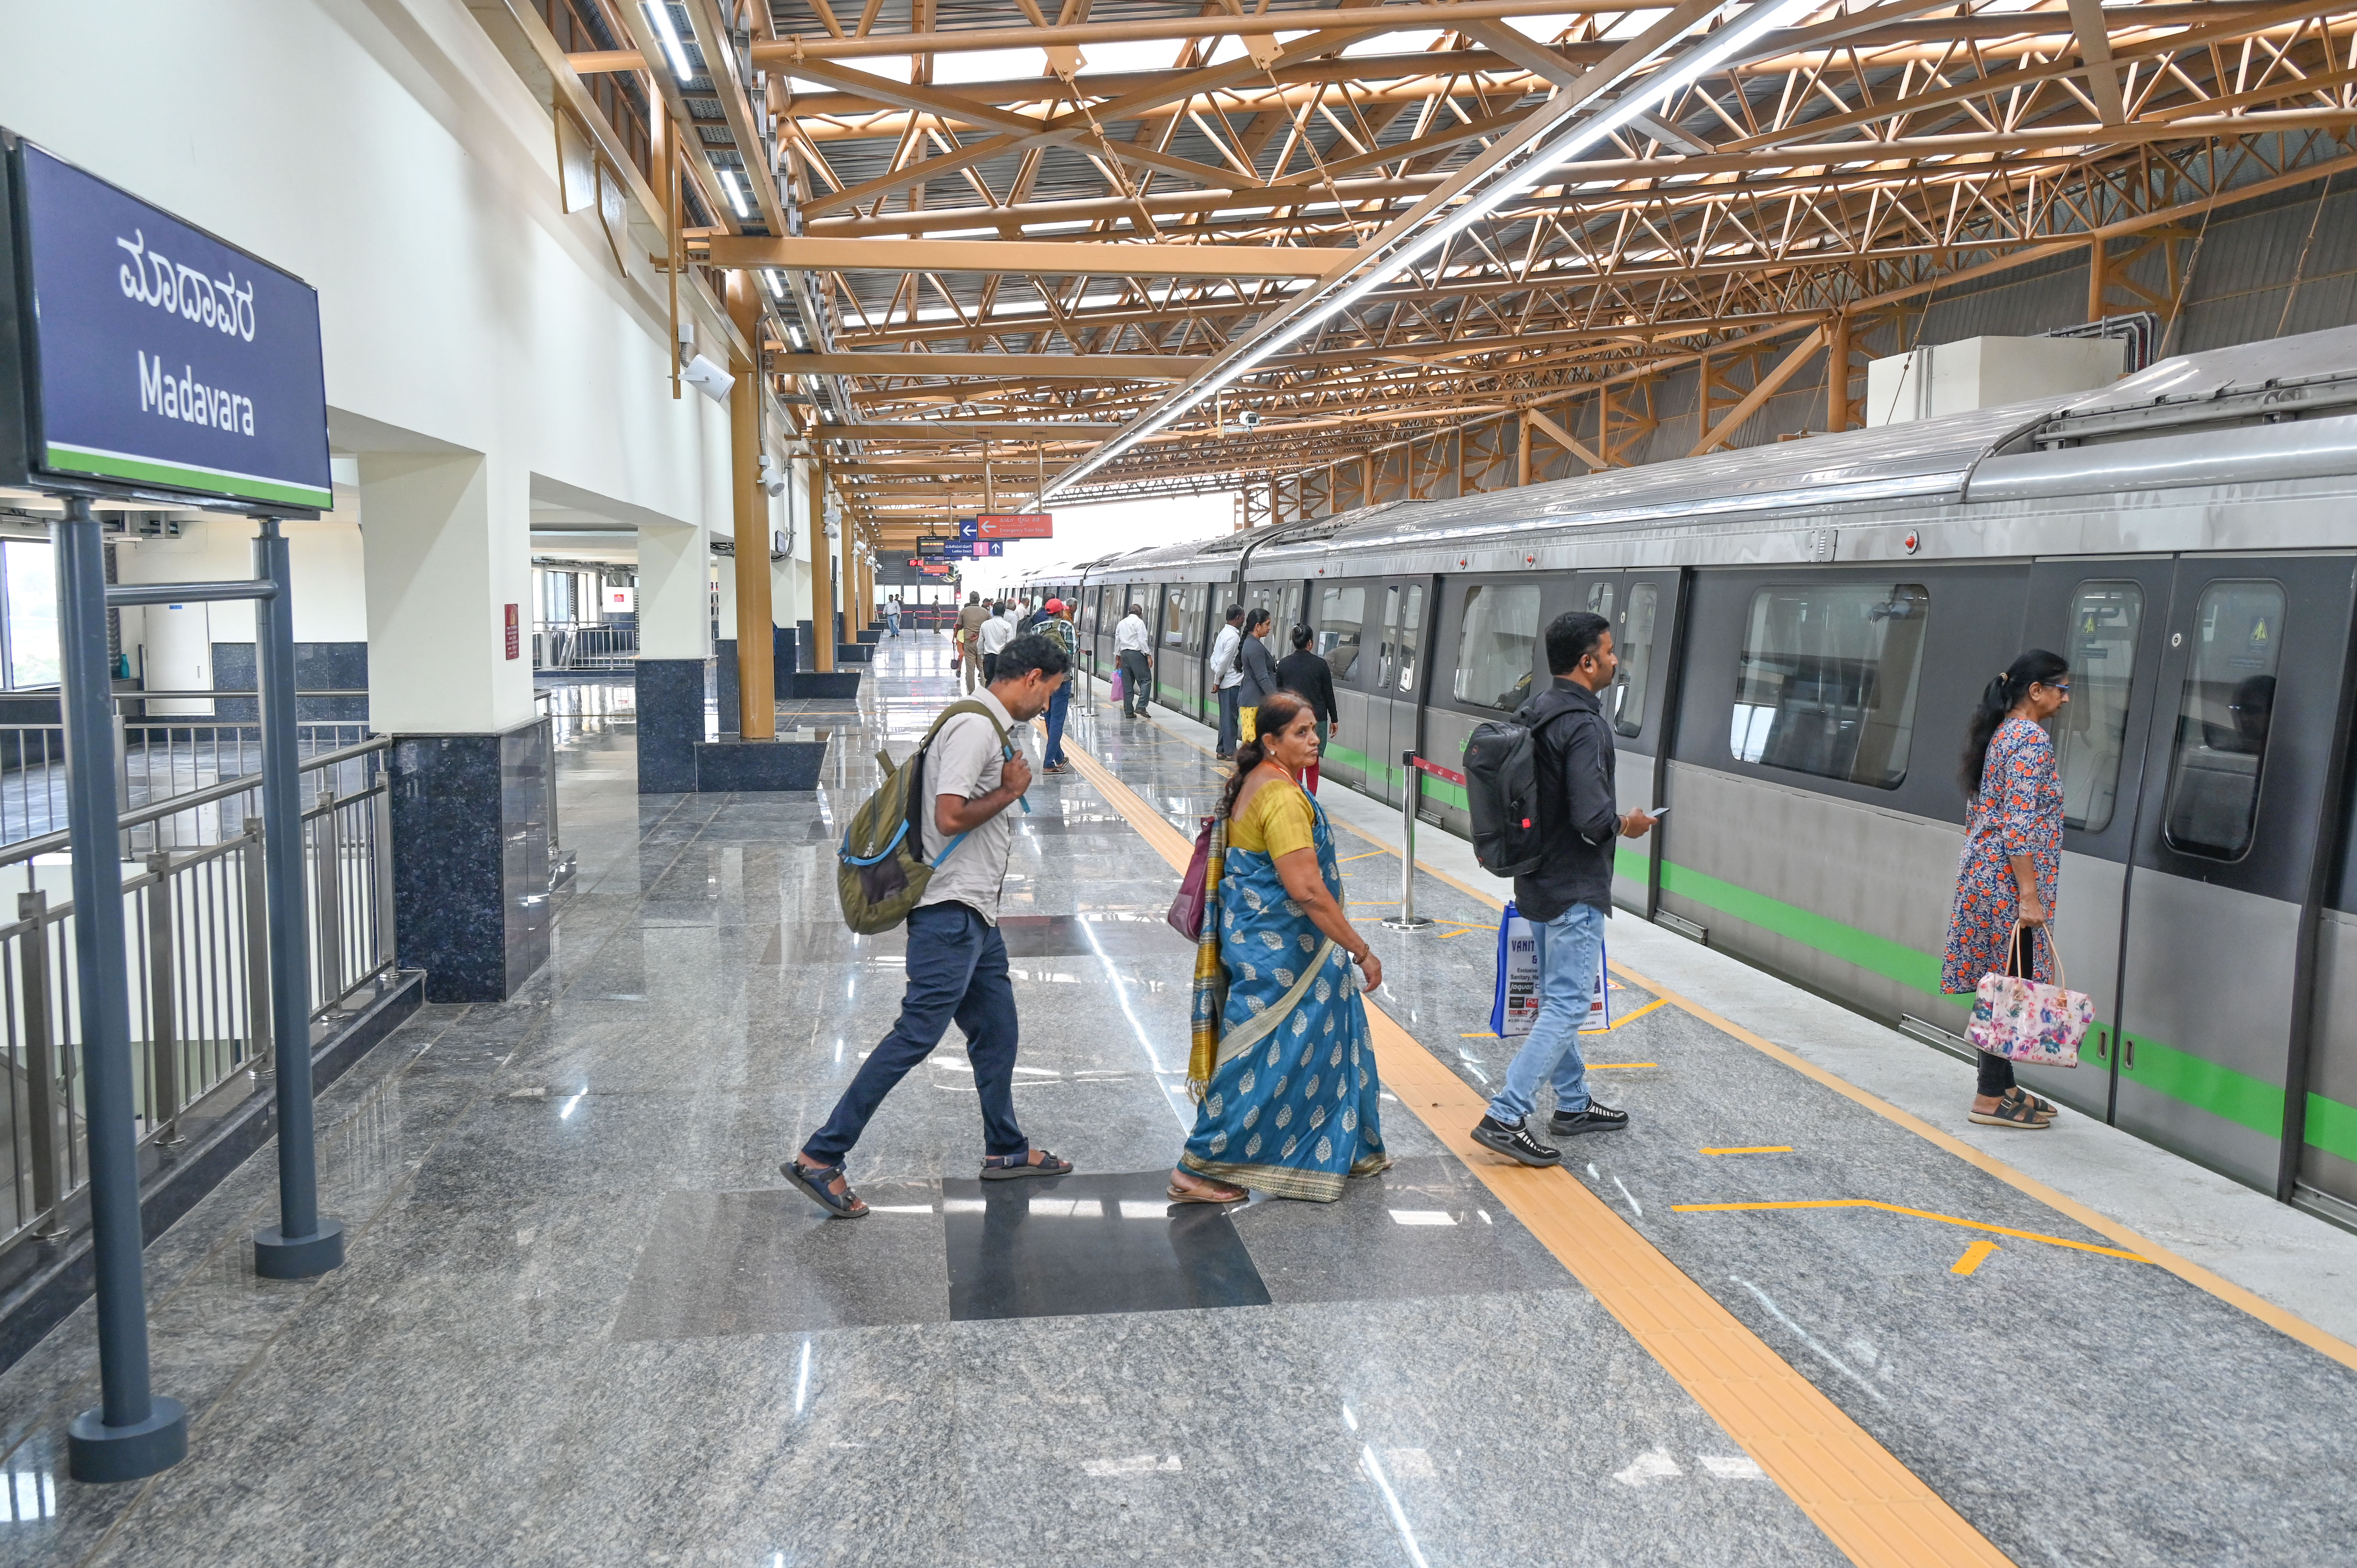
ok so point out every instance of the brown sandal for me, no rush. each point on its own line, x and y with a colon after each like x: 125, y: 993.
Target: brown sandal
x: 2016, y: 1109
x: 1189, y: 1195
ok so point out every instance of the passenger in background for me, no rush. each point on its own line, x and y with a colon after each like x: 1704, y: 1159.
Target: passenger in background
x: 1569, y: 898
x: 957, y: 959
x: 1025, y: 618
x: 1227, y: 679
x: 1133, y: 652
x: 2012, y: 863
x: 1259, y: 666
x: 997, y: 631
x: 1310, y: 678
x: 892, y: 616
x: 1280, y: 1054
x: 1056, y: 627
x: 964, y: 643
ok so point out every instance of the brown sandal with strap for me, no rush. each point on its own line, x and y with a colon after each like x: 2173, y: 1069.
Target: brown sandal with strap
x: 2016, y: 1109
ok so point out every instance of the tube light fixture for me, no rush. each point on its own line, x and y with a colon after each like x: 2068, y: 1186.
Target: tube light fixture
x: 659, y: 17
x: 736, y: 191
x: 777, y: 285
x: 1541, y: 159
x: 794, y: 336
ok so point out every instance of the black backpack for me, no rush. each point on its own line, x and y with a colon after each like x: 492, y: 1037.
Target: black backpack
x: 1501, y: 794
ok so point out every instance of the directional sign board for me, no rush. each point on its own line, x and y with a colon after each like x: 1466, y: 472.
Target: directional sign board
x: 972, y: 549
x: 1013, y: 525
x: 142, y: 356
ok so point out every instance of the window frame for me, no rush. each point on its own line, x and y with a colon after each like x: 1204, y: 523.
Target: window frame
x: 2177, y: 721
x: 1910, y: 701
x: 1464, y: 615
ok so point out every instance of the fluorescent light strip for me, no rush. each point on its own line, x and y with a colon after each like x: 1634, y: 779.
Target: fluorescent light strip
x: 1518, y: 180
x: 659, y: 17
x: 777, y: 285
x: 736, y: 191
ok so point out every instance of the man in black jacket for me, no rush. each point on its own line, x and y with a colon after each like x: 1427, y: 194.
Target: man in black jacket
x: 1569, y: 898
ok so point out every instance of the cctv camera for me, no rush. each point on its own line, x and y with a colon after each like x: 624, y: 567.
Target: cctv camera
x: 1249, y: 418
x: 708, y: 379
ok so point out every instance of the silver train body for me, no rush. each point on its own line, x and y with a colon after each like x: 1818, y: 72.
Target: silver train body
x: 1804, y: 630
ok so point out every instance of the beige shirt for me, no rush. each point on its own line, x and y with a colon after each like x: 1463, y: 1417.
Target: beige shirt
x: 965, y: 761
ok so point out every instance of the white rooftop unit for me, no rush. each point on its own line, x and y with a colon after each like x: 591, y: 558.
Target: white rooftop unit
x: 1986, y: 373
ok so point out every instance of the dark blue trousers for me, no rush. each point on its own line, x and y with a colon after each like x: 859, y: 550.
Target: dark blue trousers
x: 957, y: 974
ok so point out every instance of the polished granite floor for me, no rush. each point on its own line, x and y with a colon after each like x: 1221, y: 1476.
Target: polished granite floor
x: 583, y: 1322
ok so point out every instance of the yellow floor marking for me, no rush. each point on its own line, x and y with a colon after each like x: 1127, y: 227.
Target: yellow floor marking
x: 1632, y: 1018
x: 2192, y: 1273
x: 1977, y: 1254
x: 1607, y: 1067
x: 1894, y: 1209
x: 1755, y: 1149
x: 1879, y: 1513
x: 1369, y: 855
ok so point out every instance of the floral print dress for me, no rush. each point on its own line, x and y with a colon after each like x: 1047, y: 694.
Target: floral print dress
x: 2017, y: 811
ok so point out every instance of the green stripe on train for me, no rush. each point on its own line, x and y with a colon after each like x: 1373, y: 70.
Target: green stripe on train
x: 2161, y: 1068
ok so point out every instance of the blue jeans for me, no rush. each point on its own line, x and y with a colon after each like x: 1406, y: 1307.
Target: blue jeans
x: 957, y: 974
x: 1568, y: 946
x: 1230, y: 718
x: 1059, y: 700
x: 893, y: 620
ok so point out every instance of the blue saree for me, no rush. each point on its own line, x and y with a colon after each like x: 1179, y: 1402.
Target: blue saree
x: 1289, y: 1105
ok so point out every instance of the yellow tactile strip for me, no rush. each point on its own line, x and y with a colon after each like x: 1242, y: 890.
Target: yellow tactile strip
x: 1873, y: 1508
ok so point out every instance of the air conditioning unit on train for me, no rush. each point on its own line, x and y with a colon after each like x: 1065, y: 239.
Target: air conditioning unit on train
x: 1983, y: 372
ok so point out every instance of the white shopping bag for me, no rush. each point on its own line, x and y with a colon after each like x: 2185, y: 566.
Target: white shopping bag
x: 1515, y: 1008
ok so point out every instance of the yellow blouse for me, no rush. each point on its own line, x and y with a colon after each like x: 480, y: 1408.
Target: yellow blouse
x: 1275, y: 822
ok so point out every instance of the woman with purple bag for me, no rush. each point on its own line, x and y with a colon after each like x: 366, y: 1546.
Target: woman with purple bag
x: 2013, y: 859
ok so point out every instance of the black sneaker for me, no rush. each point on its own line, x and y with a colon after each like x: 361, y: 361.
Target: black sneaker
x: 1595, y: 1118
x: 1515, y: 1143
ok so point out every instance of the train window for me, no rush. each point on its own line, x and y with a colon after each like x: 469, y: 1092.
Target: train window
x: 2104, y: 617
x: 1402, y: 635
x: 1391, y: 632
x: 1342, y: 612
x: 1289, y: 616
x: 1599, y: 599
x: 2222, y: 720
x: 1635, y: 643
x: 1495, y: 649
x: 1174, y: 618
x: 1827, y: 681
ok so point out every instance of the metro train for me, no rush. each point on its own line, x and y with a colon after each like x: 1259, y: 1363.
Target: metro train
x: 1804, y: 629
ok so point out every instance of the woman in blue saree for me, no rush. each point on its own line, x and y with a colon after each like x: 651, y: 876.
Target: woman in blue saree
x: 1282, y: 1061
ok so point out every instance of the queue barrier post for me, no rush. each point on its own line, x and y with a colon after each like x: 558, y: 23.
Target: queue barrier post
x: 1411, y: 793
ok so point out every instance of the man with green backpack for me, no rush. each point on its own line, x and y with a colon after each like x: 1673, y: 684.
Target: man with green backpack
x: 954, y: 792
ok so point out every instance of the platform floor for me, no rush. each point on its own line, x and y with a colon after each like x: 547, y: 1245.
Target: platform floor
x: 1795, y: 1315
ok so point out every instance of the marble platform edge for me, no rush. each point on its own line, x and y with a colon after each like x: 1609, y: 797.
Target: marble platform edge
x: 854, y: 652
x: 48, y: 1296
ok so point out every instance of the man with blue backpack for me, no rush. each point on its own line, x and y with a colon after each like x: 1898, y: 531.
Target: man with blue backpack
x: 1545, y: 812
x: 969, y: 771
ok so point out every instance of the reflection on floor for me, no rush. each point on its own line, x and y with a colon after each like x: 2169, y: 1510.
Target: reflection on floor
x: 584, y: 1322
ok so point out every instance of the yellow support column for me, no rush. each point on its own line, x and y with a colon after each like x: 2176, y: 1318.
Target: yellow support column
x: 757, y: 700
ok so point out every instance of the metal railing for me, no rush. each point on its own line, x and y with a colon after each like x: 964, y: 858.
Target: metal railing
x: 570, y: 645
x: 197, y: 961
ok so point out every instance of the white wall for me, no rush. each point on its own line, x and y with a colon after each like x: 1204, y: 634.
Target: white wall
x: 386, y: 151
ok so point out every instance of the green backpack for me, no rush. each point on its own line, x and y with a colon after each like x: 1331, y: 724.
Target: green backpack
x: 881, y: 870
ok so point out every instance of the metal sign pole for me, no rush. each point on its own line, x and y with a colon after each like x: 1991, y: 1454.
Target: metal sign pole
x: 134, y: 1431
x: 301, y: 1245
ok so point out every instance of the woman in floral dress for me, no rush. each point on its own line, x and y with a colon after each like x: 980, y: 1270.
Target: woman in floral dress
x: 2013, y: 858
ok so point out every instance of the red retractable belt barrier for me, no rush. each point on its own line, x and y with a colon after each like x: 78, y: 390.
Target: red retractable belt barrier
x: 1422, y: 766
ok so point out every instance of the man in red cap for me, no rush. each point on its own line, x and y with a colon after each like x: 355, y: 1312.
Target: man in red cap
x: 1055, y: 623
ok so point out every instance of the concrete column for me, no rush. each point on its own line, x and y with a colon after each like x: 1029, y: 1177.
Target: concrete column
x: 848, y: 575
x: 727, y: 693
x: 675, y: 649
x: 445, y: 541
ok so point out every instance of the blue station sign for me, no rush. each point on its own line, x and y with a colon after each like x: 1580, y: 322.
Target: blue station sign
x: 141, y: 356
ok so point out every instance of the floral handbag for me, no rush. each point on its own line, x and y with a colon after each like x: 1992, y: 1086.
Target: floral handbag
x: 2022, y: 1021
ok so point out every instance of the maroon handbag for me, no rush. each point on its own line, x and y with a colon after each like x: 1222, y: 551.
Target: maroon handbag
x: 1186, y: 914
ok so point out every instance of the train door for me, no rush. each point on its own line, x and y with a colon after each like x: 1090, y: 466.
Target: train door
x: 1180, y: 650
x: 1340, y: 625
x: 2232, y: 829
x: 1488, y: 659
x: 1643, y: 609
x: 1396, y: 694
x: 2110, y: 619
